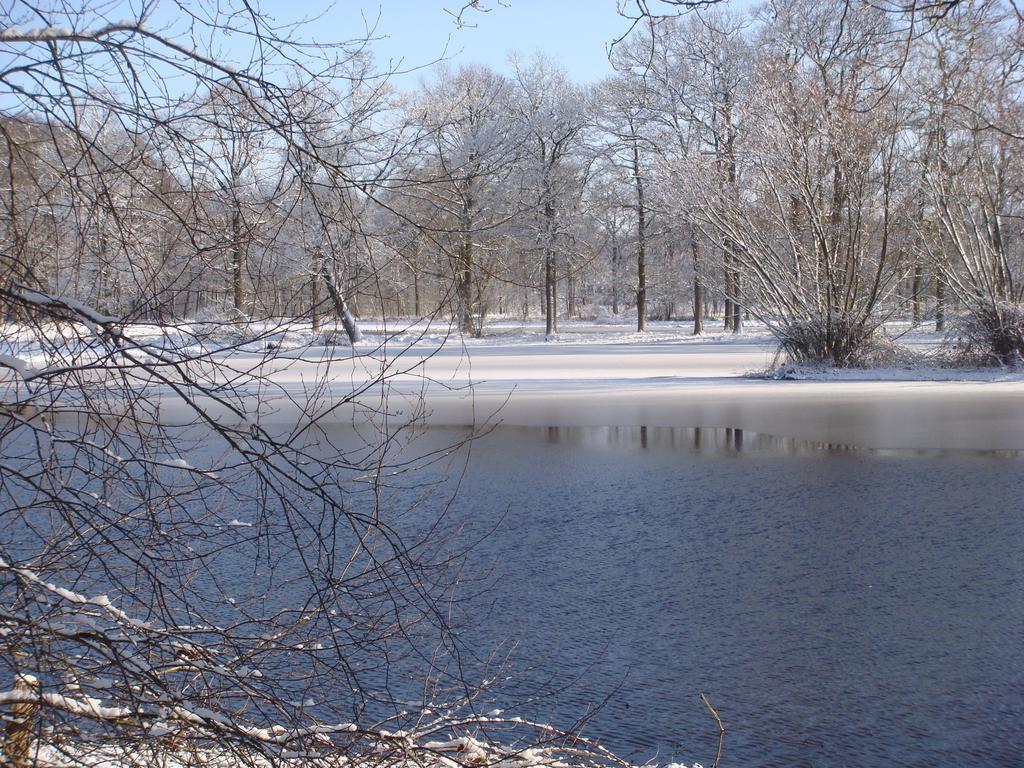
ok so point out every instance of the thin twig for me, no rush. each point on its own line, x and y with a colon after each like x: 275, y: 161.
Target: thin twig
x: 721, y: 729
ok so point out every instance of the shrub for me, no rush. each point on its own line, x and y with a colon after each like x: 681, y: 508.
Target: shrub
x: 842, y: 342
x: 603, y: 315
x: 222, y: 325
x: 989, y: 334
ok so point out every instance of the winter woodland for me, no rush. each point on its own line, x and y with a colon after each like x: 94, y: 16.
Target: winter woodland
x: 820, y: 168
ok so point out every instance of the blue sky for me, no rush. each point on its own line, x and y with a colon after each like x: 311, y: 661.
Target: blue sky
x: 415, y: 32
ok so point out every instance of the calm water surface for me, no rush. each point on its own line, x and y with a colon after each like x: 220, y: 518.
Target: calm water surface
x: 838, y: 607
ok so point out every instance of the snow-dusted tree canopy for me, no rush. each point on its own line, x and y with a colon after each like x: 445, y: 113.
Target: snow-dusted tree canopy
x: 818, y: 162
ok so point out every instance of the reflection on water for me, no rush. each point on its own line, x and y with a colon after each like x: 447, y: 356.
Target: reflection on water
x: 725, y: 441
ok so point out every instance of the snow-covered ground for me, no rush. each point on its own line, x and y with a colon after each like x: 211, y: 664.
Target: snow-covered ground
x: 611, y: 376
x: 608, y: 375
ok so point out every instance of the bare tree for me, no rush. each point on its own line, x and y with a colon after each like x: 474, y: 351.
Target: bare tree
x: 818, y: 223
x: 553, y: 114
x: 230, y: 143
x: 468, y: 150
x: 968, y: 78
x: 622, y: 123
x: 193, y: 565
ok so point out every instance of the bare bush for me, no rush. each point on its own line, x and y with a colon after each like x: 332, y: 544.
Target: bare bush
x: 989, y: 335
x: 842, y: 342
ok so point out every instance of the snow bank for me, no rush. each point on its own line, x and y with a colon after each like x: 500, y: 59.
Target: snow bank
x: 893, y: 374
x: 165, y: 724
x: 589, y: 375
x: 461, y: 752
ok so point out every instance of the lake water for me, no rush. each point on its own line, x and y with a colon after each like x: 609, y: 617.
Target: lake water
x: 838, y: 607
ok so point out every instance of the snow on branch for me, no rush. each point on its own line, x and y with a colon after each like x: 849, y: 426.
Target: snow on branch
x: 15, y: 34
x: 77, y: 309
x: 154, y: 703
x: 15, y: 364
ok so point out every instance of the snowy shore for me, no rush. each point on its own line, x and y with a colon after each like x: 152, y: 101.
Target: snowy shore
x: 609, y: 375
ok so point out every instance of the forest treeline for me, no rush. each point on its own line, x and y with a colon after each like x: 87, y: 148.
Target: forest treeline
x: 818, y: 165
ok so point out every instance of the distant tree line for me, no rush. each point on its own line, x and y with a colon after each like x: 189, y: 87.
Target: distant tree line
x: 820, y: 165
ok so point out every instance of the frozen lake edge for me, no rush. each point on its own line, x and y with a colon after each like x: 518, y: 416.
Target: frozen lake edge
x: 600, y: 376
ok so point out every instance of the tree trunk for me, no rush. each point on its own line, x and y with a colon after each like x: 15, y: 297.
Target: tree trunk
x: 727, y: 169
x: 737, y: 307
x: 237, y: 257
x: 464, y: 289
x: 11, y: 311
x: 315, y: 293
x: 615, y: 278
x: 464, y: 271
x: 641, y: 245
x: 728, y: 293
x: 915, y: 294
x: 570, y: 295
x: 550, y: 270
x: 417, y: 307
x: 554, y: 293
x: 22, y: 728
x: 733, y: 305
x: 698, y: 290
x: 315, y: 312
x: 550, y: 296
x: 341, y: 306
x: 940, y: 302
